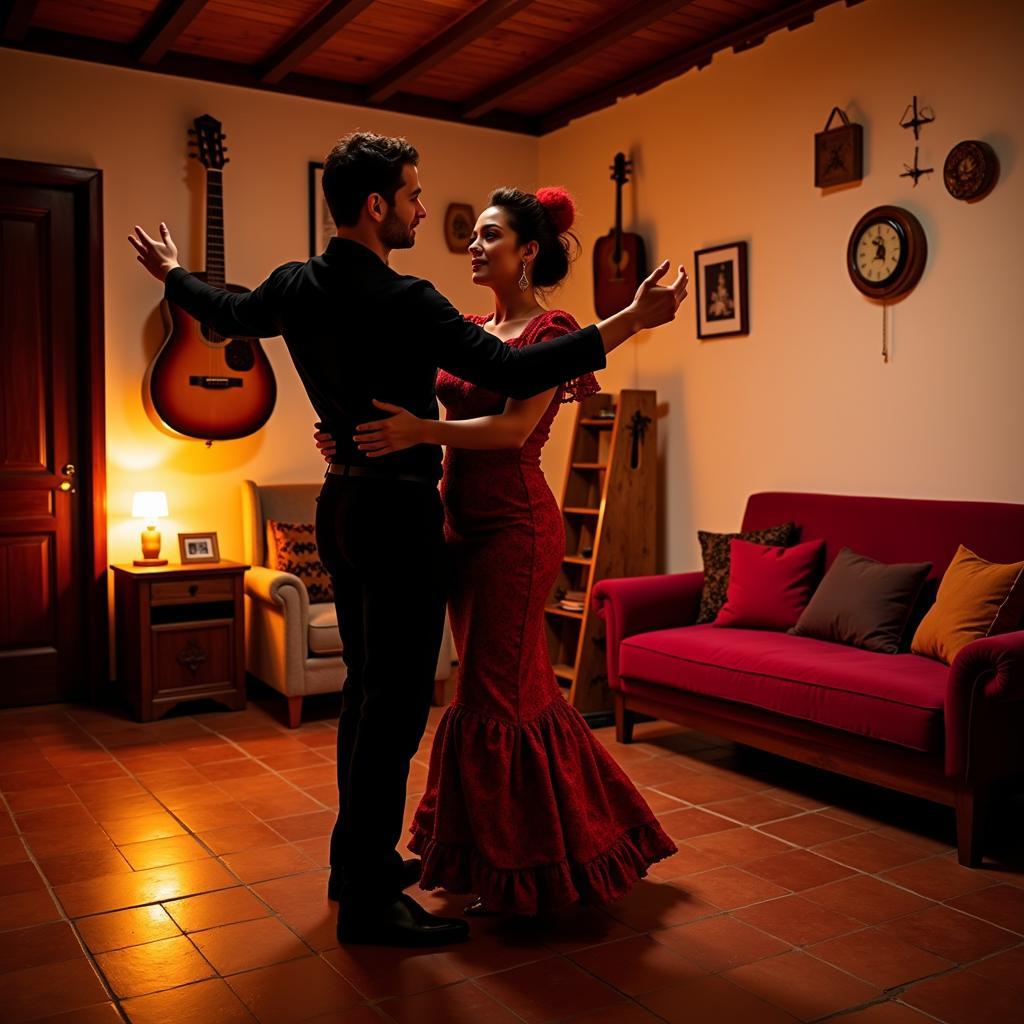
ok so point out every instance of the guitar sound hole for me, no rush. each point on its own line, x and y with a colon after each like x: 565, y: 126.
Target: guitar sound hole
x: 211, y: 336
x: 239, y: 355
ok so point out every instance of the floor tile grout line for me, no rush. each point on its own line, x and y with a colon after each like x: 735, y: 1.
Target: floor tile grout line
x: 50, y: 889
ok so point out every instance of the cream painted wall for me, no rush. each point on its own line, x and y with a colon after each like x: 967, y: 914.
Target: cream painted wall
x: 132, y: 125
x: 805, y: 402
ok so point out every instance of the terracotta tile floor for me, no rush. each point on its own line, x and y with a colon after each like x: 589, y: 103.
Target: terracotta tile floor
x: 176, y: 872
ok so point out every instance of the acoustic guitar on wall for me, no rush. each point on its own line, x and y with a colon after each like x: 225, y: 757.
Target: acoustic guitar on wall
x: 201, y: 384
x: 620, y: 257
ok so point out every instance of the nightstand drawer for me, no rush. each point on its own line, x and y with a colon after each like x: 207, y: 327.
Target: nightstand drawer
x: 196, y: 657
x: 220, y: 588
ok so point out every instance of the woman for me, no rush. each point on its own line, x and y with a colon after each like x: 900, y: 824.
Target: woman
x: 523, y: 807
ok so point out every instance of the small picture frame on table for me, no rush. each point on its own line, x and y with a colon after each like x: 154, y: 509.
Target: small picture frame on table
x: 198, y: 547
x: 321, y: 224
x: 722, y: 297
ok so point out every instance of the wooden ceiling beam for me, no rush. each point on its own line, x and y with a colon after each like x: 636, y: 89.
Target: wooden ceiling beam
x: 16, y: 19
x: 750, y: 34
x: 310, y: 37
x: 183, y: 65
x: 164, y: 27
x: 637, y: 16
x: 471, y: 26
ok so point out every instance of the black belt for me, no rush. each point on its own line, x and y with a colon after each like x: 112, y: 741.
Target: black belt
x: 378, y: 473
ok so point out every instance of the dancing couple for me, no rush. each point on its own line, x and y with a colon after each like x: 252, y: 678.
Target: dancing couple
x: 523, y: 808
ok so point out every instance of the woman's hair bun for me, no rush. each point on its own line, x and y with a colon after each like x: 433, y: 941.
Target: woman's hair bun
x: 559, y: 205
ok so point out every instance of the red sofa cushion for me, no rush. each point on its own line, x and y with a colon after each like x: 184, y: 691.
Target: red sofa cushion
x: 897, y: 698
x: 769, y: 586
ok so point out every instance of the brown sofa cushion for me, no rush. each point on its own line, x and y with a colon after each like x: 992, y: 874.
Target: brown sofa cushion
x: 863, y: 602
x: 291, y: 547
x: 715, y: 549
x: 976, y: 598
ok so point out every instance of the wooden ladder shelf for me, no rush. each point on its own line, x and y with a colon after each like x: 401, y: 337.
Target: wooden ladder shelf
x: 609, y: 510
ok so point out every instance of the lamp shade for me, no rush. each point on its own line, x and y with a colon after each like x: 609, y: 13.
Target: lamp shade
x: 149, y: 505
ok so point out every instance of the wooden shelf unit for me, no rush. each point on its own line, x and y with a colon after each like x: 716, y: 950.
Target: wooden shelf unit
x: 608, y: 506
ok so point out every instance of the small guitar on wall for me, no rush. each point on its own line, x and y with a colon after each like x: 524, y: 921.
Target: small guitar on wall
x: 620, y: 258
x: 201, y: 384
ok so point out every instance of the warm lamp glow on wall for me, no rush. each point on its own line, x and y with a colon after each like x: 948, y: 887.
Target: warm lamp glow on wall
x: 150, y: 506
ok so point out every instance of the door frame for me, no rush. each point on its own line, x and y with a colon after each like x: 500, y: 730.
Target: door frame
x: 86, y: 186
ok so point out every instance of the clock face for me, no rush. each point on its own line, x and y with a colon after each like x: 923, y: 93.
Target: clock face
x: 879, y: 252
x: 886, y: 253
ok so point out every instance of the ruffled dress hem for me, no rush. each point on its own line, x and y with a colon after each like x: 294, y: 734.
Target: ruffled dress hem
x: 530, y: 890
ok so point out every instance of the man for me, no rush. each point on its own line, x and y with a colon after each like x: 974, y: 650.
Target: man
x: 357, y: 330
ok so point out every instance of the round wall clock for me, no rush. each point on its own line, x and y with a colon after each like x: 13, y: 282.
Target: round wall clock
x: 886, y: 252
x: 970, y: 170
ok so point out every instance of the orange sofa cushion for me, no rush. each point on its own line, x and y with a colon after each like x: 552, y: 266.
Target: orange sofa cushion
x: 976, y: 598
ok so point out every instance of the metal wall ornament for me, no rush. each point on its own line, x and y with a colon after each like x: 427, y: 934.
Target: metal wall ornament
x: 971, y: 170
x: 918, y: 118
x: 838, y: 152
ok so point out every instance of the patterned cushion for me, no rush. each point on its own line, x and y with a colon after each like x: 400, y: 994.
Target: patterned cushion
x: 715, y: 549
x: 291, y: 547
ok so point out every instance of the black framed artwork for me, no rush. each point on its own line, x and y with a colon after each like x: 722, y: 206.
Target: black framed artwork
x: 321, y: 224
x: 723, y: 305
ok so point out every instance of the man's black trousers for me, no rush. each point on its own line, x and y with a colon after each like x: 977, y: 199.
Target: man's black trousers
x: 382, y: 543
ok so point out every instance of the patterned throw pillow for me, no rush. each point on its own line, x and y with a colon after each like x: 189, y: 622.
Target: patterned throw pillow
x: 292, y: 548
x: 715, y: 549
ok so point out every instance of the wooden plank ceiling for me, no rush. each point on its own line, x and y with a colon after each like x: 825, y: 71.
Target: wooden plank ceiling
x: 527, y: 66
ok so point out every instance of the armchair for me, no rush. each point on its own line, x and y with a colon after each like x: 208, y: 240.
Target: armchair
x: 290, y: 644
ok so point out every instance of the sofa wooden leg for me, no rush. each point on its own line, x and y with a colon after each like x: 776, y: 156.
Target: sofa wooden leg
x: 970, y: 825
x: 623, y: 720
x: 294, y: 712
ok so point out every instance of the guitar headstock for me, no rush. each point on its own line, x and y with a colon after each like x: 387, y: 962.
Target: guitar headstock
x: 208, y: 142
x: 621, y: 169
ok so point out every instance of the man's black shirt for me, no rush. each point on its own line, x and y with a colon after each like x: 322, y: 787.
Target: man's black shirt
x: 357, y: 330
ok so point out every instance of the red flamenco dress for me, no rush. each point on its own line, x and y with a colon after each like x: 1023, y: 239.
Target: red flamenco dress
x: 523, y: 806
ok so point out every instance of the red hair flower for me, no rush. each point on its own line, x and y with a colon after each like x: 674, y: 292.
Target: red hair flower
x: 560, y: 206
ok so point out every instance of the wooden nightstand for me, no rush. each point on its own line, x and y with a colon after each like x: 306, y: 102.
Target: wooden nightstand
x: 180, y: 635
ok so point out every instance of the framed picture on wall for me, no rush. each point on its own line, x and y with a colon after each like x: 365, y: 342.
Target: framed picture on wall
x: 722, y: 298
x: 321, y: 224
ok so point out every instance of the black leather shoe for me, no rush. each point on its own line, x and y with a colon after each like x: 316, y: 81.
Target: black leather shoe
x: 402, y: 923
x: 411, y: 871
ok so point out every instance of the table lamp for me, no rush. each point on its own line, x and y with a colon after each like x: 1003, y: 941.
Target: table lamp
x: 150, y: 506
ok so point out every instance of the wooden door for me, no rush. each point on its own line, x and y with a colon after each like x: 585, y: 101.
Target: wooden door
x: 52, y: 527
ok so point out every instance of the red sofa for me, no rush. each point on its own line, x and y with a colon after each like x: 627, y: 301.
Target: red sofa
x: 945, y: 733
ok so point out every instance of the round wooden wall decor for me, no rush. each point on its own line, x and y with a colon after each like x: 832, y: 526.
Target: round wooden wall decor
x: 970, y: 170
x: 459, y: 221
x: 886, y: 254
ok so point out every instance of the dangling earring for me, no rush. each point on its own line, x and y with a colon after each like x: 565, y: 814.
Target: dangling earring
x: 524, y: 281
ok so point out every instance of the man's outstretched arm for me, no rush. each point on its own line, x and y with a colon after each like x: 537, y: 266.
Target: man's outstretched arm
x: 242, y: 314
x: 474, y: 354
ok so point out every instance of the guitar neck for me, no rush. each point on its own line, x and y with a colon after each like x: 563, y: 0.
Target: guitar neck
x: 215, y: 228
x: 618, y: 221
